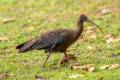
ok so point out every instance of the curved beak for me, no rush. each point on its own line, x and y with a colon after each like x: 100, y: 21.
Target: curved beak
x: 95, y: 25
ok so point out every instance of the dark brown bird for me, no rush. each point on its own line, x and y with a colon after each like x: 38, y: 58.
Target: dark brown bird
x: 57, y: 40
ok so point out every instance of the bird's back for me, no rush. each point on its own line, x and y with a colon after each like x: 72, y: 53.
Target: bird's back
x: 56, y: 40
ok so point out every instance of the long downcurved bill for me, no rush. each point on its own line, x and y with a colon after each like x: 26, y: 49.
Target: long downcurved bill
x: 95, y: 25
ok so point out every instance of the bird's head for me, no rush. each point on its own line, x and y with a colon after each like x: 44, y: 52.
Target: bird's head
x: 84, y: 18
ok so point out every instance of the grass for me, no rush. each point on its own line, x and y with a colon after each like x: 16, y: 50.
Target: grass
x: 32, y: 17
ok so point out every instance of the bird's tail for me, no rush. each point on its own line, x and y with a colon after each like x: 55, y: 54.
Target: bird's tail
x: 21, y: 48
x: 30, y: 45
x: 27, y: 46
x: 24, y: 47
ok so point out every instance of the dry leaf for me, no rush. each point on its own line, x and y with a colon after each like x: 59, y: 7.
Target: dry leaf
x: 105, y: 11
x: 114, y: 66
x: 115, y: 9
x: 8, y: 19
x: 110, y: 38
x: 110, y: 67
x: 39, y: 78
x: 74, y: 76
x: 88, y: 67
x: 91, y: 69
x: 90, y: 48
x: 75, y: 66
x: 104, y: 67
x: 3, y: 75
x: 90, y: 30
x: 93, y: 36
x: 4, y: 38
x: 90, y: 33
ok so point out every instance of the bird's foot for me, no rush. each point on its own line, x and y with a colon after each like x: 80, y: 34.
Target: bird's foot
x: 69, y: 57
x: 64, y: 60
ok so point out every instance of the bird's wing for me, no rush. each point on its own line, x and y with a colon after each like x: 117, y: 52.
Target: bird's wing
x: 41, y: 43
x: 51, y: 40
x: 26, y: 46
x: 47, y: 41
x: 61, y: 38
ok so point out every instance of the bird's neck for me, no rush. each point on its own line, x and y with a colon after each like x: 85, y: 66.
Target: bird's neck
x: 79, y: 29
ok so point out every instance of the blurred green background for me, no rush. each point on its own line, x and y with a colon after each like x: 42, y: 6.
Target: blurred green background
x: 21, y: 20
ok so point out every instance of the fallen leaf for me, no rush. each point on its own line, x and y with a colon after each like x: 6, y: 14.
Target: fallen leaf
x: 108, y: 10
x: 110, y: 38
x: 91, y: 69
x: 105, y: 11
x: 89, y: 48
x: 8, y: 19
x: 114, y: 66
x: 39, y: 78
x: 90, y: 30
x: 4, y: 38
x: 104, y: 67
x: 88, y: 67
x: 3, y: 75
x: 74, y: 76
x: 93, y: 36
x: 75, y: 66
x: 115, y: 9
x: 110, y: 67
x: 90, y: 33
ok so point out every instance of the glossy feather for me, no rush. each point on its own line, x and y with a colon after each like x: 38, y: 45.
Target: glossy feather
x: 56, y: 40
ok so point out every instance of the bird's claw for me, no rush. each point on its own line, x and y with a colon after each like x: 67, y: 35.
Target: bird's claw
x: 70, y: 57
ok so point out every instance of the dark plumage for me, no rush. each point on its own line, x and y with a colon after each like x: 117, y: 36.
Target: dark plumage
x: 55, y: 41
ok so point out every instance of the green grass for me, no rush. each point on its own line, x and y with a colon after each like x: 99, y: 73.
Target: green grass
x: 32, y: 17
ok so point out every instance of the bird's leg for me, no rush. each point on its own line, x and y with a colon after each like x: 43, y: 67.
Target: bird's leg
x: 48, y: 55
x: 65, y: 58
